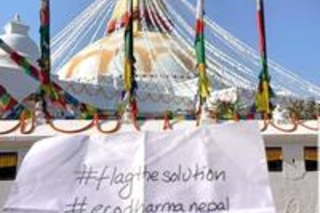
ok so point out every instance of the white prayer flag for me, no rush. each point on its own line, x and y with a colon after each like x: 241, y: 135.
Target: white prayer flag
x: 219, y: 168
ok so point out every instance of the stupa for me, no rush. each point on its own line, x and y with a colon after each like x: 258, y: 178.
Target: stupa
x: 16, y: 36
x: 160, y: 64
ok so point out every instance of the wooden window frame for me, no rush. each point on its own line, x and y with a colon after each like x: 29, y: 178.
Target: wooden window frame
x: 8, y: 165
x: 274, y: 157
x: 311, y: 158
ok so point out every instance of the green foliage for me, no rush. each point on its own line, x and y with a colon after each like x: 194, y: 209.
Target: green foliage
x: 304, y: 110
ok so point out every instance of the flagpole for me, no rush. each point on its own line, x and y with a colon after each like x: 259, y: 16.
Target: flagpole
x: 45, y: 61
x: 130, y: 84
x: 264, y: 93
x: 200, y: 49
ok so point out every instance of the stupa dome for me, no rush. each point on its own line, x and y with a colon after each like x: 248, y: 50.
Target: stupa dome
x: 101, y: 65
x: 105, y: 58
x: 161, y: 64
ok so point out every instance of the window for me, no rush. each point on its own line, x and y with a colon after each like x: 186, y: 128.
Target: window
x: 8, y: 165
x: 311, y: 158
x: 274, y: 158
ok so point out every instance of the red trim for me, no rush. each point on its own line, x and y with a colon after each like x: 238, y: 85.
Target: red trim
x: 111, y: 26
x: 44, y: 17
x: 199, y: 26
x: 11, y: 104
x: 125, y: 19
x: 134, y: 108
x: 16, y: 57
x: 44, y: 78
x: 34, y: 71
x: 261, y: 31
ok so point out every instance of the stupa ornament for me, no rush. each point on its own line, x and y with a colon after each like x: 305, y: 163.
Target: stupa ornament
x: 16, y: 26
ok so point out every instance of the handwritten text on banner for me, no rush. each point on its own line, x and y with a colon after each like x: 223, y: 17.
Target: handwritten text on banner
x: 218, y: 168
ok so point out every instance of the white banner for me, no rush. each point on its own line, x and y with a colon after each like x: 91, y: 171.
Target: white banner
x: 218, y: 168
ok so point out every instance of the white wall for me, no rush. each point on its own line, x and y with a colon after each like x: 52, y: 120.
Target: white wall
x: 294, y: 189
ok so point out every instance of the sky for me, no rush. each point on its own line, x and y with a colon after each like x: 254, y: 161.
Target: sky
x: 292, y: 26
